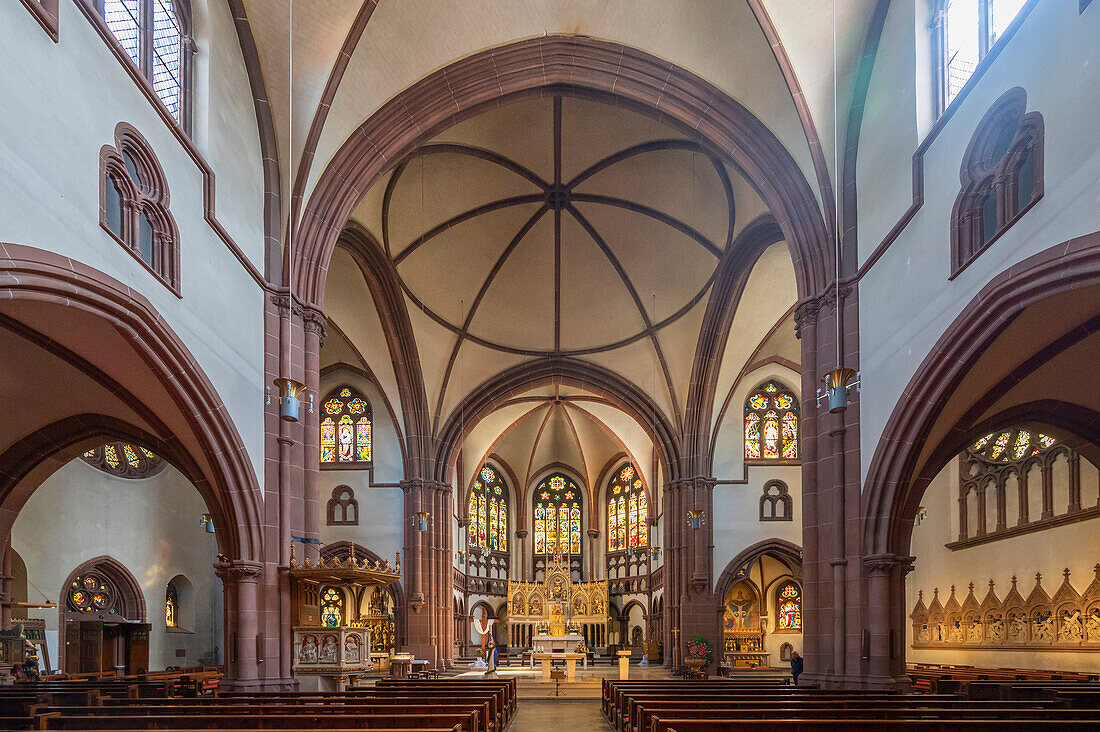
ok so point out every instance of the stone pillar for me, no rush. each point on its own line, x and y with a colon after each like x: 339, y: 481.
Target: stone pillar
x: 428, y: 568
x: 691, y: 571
x: 242, y: 622
x: 6, y: 591
x: 313, y: 323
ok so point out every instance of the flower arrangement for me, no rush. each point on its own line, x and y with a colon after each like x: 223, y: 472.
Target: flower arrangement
x: 699, y: 648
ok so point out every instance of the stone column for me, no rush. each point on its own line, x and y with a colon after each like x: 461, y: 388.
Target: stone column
x: 313, y: 322
x: 242, y: 616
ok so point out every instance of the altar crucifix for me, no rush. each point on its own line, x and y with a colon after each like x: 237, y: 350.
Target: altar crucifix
x: 484, y: 626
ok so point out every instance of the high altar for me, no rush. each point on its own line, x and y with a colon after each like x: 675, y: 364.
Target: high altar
x: 557, y: 614
x: 331, y: 648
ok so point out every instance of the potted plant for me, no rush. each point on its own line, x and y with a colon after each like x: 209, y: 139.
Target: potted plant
x: 698, y: 654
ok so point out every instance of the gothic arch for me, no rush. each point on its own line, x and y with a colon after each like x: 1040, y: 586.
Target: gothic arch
x: 784, y: 551
x: 528, y: 375
x: 595, y: 68
x: 895, y: 481
x: 210, y: 451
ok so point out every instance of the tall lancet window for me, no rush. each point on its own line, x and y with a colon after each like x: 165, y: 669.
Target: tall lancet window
x: 557, y: 516
x: 345, y: 428
x: 627, y: 508
x: 771, y: 423
x: 487, y: 512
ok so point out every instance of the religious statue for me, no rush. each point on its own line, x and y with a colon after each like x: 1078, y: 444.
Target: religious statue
x: 955, y: 632
x: 1017, y: 627
x: 995, y: 628
x: 1044, y: 627
x: 1071, y: 629
x: 580, y: 607
x: 351, y: 649
x: 517, y: 604
x: 924, y: 635
x: 535, y: 608
x: 1093, y: 625
x: 974, y: 632
x: 328, y: 649
x: 597, y: 606
x: 308, y: 652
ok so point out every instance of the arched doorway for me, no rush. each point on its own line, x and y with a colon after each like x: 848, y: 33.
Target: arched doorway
x: 102, y: 620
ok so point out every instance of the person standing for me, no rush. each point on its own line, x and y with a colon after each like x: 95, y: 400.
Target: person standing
x: 796, y: 666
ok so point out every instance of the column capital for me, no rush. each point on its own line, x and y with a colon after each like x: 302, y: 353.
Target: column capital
x: 315, y: 321
x: 409, y: 484
x: 878, y: 564
x: 695, y: 481
x: 239, y: 570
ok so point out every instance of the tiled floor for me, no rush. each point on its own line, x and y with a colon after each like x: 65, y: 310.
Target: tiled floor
x: 574, y: 716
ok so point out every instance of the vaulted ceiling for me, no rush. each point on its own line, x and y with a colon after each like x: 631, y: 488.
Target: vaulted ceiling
x: 561, y: 225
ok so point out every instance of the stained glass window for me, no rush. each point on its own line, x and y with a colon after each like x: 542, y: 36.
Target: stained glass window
x: 487, y: 512
x: 93, y: 593
x: 332, y: 608
x: 124, y: 460
x: 627, y: 510
x: 557, y: 516
x: 771, y: 423
x: 171, y: 608
x: 789, y: 610
x: 345, y: 428
x: 1011, y: 445
x: 151, y: 32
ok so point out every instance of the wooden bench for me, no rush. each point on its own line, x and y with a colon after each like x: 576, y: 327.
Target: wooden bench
x: 465, y: 722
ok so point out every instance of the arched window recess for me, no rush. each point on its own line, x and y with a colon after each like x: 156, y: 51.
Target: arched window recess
x: 771, y: 425
x: 347, y: 431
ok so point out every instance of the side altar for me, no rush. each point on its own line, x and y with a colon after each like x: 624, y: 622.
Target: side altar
x: 557, y: 614
x: 330, y: 651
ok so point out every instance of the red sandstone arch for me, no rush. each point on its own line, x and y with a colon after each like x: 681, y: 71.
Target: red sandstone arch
x: 194, y: 430
x: 895, y: 480
x: 577, y: 64
x: 782, y: 550
x: 533, y: 374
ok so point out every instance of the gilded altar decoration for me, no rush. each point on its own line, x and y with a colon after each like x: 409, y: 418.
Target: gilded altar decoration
x: 1064, y: 621
x: 742, y: 628
x: 556, y: 607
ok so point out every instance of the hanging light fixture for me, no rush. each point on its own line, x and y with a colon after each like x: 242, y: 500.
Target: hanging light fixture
x: 289, y: 389
x: 421, y: 519
x: 840, y: 380
x: 696, y: 518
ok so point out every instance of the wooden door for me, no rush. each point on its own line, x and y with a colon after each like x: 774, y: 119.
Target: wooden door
x: 137, y: 647
x: 71, y: 635
x: 112, y: 639
x: 91, y: 646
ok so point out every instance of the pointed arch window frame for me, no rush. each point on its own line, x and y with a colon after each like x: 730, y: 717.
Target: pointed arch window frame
x: 484, y: 524
x: 355, y: 418
x: 780, y: 601
x: 567, y: 495
x: 762, y: 413
x: 627, y: 506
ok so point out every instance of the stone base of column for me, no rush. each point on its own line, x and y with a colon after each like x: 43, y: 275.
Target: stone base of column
x: 290, y: 684
x: 875, y: 683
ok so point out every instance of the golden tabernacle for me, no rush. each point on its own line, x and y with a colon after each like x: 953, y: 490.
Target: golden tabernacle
x: 557, y: 614
x: 332, y: 635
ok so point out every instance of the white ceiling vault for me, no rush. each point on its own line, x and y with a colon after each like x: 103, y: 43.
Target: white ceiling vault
x: 568, y: 227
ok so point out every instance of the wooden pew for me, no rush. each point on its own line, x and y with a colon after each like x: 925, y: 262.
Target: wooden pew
x: 465, y: 722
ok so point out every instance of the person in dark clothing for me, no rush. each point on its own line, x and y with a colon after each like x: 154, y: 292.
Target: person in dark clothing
x: 796, y: 666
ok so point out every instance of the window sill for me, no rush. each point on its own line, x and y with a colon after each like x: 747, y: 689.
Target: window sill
x: 1004, y: 229
x: 755, y: 462
x: 46, y: 13
x: 181, y: 631
x: 1064, y: 519
x: 173, y: 287
x: 367, y: 465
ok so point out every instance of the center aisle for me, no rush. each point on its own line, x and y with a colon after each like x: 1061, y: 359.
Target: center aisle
x: 558, y: 714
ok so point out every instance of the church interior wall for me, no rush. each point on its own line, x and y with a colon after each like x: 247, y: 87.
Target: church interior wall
x: 150, y: 525
x: 1054, y: 58
x: 1050, y: 551
x: 220, y: 315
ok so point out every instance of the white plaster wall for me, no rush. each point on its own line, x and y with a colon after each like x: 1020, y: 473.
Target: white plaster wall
x: 62, y: 102
x: 150, y: 525
x: 1072, y: 546
x: 906, y: 301
x: 736, y: 520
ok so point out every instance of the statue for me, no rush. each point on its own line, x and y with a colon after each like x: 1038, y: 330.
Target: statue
x: 351, y: 649
x: 328, y: 649
x: 308, y: 652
